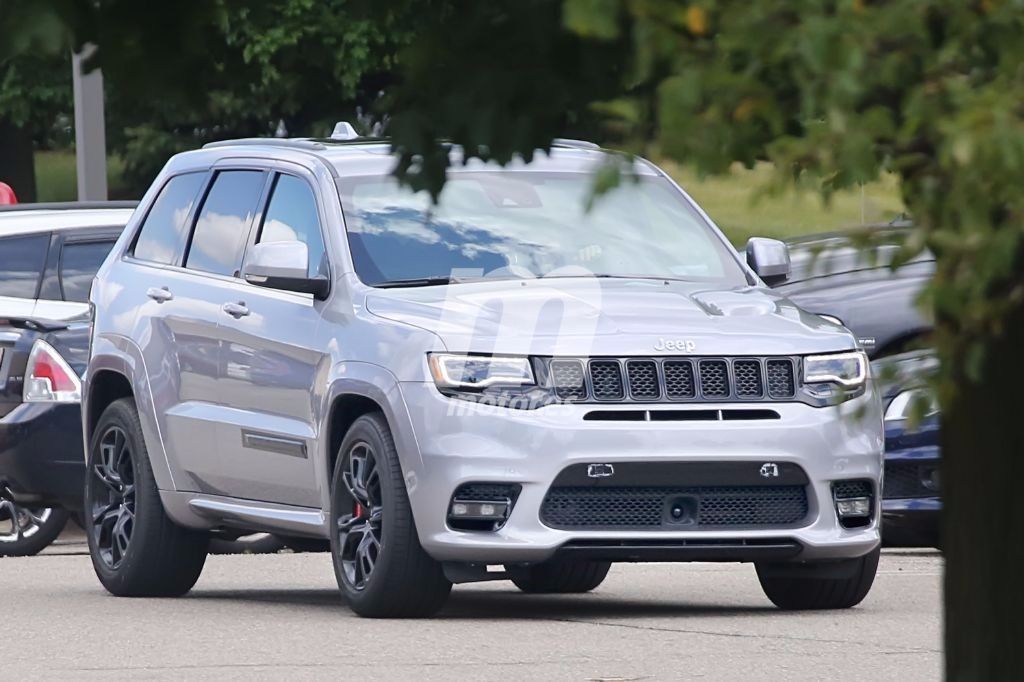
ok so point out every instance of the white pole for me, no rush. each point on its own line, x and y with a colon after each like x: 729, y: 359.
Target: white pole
x: 90, y: 130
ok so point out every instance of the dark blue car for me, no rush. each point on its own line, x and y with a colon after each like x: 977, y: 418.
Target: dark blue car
x: 911, y: 499
x: 831, y: 277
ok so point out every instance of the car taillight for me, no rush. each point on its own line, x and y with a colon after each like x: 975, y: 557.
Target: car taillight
x: 49, y: 378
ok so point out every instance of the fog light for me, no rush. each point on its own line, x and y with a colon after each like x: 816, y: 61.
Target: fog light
x: 483, y: 511
x: 854, y: 507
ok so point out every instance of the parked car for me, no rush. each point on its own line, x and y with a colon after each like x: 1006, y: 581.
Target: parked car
x: 911, y: 488
x: 500, y: 386
x: 49, y: 254
x: 42, y: 469
x: 832, y: 277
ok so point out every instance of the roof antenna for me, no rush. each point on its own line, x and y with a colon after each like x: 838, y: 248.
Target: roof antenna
x: 343, y: 130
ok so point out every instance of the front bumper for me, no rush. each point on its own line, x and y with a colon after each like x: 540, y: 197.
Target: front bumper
x: 458, y: 442
x: 41, y: 454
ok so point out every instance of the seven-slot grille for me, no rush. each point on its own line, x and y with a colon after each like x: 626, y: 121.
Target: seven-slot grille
x: 674, y: 379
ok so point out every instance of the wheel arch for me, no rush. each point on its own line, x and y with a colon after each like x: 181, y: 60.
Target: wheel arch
x: 105, y: 387
x: 345, y: 410
x: 359, y: 388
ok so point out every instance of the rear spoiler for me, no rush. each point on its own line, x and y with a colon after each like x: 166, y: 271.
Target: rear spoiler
x: 36, y: 324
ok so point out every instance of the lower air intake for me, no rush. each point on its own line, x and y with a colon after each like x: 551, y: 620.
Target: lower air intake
x: 674, y: 508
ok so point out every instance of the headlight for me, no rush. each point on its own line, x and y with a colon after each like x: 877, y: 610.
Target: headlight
x: 479, y: 371
x: 849, y: 370
x: 904, y: 405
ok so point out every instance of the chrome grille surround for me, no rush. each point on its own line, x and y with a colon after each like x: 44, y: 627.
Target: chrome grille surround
x: 675, y: 379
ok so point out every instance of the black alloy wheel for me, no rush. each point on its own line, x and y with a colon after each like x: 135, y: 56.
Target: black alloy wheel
x: 361, y: 532
x: 381, y: 567
x: 112, y: 516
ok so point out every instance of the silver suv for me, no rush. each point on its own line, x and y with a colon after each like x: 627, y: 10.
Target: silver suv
x: 521, y: 381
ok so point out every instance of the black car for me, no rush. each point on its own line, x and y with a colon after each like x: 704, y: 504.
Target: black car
x: 41, y: 462
x: 832, y: 277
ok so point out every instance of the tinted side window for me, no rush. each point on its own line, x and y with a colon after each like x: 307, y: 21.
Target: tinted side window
x: 291, y: 216
x: 21, y: 264
x: 164, y: 230
x: 79, y: 262
x: 223, y: 226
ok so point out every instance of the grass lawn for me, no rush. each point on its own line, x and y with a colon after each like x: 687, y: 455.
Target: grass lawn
x: 732, y: 201
x: 56, y: 178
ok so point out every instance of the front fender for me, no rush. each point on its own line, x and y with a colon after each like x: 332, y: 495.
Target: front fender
x: 378, y: 384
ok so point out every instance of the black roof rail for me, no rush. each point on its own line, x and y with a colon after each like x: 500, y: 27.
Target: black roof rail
x: 69, y: 205
x: 574, y: 144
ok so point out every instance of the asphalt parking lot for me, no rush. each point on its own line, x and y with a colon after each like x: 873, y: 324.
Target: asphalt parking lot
x: 262, y: 617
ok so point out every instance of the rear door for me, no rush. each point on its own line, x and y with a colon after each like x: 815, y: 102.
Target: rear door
x: 195, y: 423
x: 174, y: 329
x: 22, y: 259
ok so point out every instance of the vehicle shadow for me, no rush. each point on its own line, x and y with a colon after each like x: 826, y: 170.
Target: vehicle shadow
x: 505, y: 605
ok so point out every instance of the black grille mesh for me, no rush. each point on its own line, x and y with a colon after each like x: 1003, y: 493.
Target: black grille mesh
x: 748, y: 381
x: 781, y: 383
x: 647, y: 507
x: 649, y: 379
x: 679, y: 379
x: 714, y: 378
x: 567, y: 376
x: 643, y: 379
x: 606, y: 375
x: 486, y: 492
x: 906, y: 480
x: 847, y: 489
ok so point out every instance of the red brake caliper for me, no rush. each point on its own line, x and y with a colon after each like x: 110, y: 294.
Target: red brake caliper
x: 359, y: 510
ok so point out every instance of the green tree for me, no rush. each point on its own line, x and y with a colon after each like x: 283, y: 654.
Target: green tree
x: 180, y: 74
x: 833, y: 93
x: 34, y: 91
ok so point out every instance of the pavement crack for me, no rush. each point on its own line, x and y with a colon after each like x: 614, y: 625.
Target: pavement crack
x: 741, y: 635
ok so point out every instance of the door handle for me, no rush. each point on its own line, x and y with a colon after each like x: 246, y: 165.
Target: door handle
x: 235, y: 310
x: 159, y: 295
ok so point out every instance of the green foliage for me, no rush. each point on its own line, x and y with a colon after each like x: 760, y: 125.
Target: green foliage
x: 34, y: 90
x: 180, y: 74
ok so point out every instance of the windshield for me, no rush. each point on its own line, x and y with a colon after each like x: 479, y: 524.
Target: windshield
x: 529, y: 224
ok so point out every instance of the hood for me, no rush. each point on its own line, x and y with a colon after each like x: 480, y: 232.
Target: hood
x: 592, y: 317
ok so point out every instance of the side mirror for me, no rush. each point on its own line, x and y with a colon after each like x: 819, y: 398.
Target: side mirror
x: 769, y: 258
x: 283, y: 265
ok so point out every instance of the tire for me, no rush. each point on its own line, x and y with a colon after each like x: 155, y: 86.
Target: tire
x: 832, y: 585
x: 255, y: 543
x: 136, y: 550
x: 381, y: 568
x: 563, y: 577
x: 27, y: 531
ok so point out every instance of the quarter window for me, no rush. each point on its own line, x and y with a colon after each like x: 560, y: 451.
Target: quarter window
x: 79, y: 262
x: 21, y: 265
x: 291, y: 216
x: 223, y: 226
x: 163, y: 233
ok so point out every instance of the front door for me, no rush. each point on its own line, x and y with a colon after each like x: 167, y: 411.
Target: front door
x: 271, y: 363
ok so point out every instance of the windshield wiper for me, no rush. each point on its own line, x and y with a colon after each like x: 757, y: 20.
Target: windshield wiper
x: 415, y: 282
x: 602, y: 275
